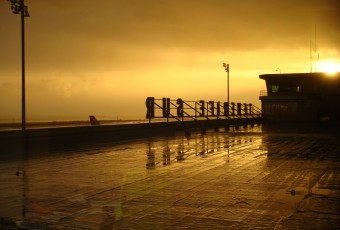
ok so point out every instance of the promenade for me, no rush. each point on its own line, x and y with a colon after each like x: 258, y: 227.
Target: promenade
x: 246, y: 179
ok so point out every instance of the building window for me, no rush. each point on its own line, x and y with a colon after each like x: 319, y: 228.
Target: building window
x: 275, y: 88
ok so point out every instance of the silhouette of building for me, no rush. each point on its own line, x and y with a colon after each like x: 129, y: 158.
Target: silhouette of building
x: 301, y: 97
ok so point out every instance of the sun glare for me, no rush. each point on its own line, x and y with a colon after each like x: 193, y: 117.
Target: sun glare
x: 330, y: 67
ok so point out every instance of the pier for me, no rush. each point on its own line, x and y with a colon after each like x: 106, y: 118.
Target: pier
x: 190, y: 115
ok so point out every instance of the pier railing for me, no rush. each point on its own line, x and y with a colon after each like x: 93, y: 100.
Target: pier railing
x: 180, y: 110
x: 263, y: 93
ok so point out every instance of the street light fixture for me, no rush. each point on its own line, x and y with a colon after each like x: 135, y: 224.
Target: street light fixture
x: 226, y: 67
x: 18, y: 6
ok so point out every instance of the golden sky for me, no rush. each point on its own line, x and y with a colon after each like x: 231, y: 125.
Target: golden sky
x: 103, y: 58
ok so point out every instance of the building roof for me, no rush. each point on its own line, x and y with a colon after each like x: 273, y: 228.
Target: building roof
x: 299, y: 75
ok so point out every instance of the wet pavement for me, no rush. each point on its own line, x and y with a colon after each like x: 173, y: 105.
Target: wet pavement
x: 221, y: 180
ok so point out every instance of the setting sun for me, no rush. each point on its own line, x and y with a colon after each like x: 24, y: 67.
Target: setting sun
x: 329, y: 66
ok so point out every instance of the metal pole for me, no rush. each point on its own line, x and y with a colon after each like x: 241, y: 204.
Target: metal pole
x: 226, y: 67
x: 228, y: 93
x: 23, y: 96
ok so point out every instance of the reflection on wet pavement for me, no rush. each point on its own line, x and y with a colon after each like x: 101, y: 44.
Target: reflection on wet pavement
x: 236, y: 180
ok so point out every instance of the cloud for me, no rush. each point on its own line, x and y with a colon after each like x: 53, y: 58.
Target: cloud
x: 140, y: 48
x: 108, y: 34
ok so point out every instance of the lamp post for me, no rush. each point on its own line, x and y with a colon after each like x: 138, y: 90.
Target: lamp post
x: 17, y: 7
x: 226, y: 67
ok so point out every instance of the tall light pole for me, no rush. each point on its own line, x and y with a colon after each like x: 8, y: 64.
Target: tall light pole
x: 18, y: 6
x: 226, y: 67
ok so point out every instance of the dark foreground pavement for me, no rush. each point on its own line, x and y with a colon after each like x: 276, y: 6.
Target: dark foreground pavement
x: 242, y: 180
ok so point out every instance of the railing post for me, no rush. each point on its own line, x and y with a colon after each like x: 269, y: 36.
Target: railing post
x: 195, y: 110
x: 226, y: 109
x: 239, y: 109
x: 150, y: 108
x: 218, y: 109
x: 245, y: 109
x: 232, y: 108
x: 202, y: 108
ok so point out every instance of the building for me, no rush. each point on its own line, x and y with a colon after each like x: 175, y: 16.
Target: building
x: 301, y: 97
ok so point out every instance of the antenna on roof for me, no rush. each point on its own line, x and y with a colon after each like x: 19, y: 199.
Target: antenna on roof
x: 310, y: 56
x: 314, y: 56
x: 315, y: 50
